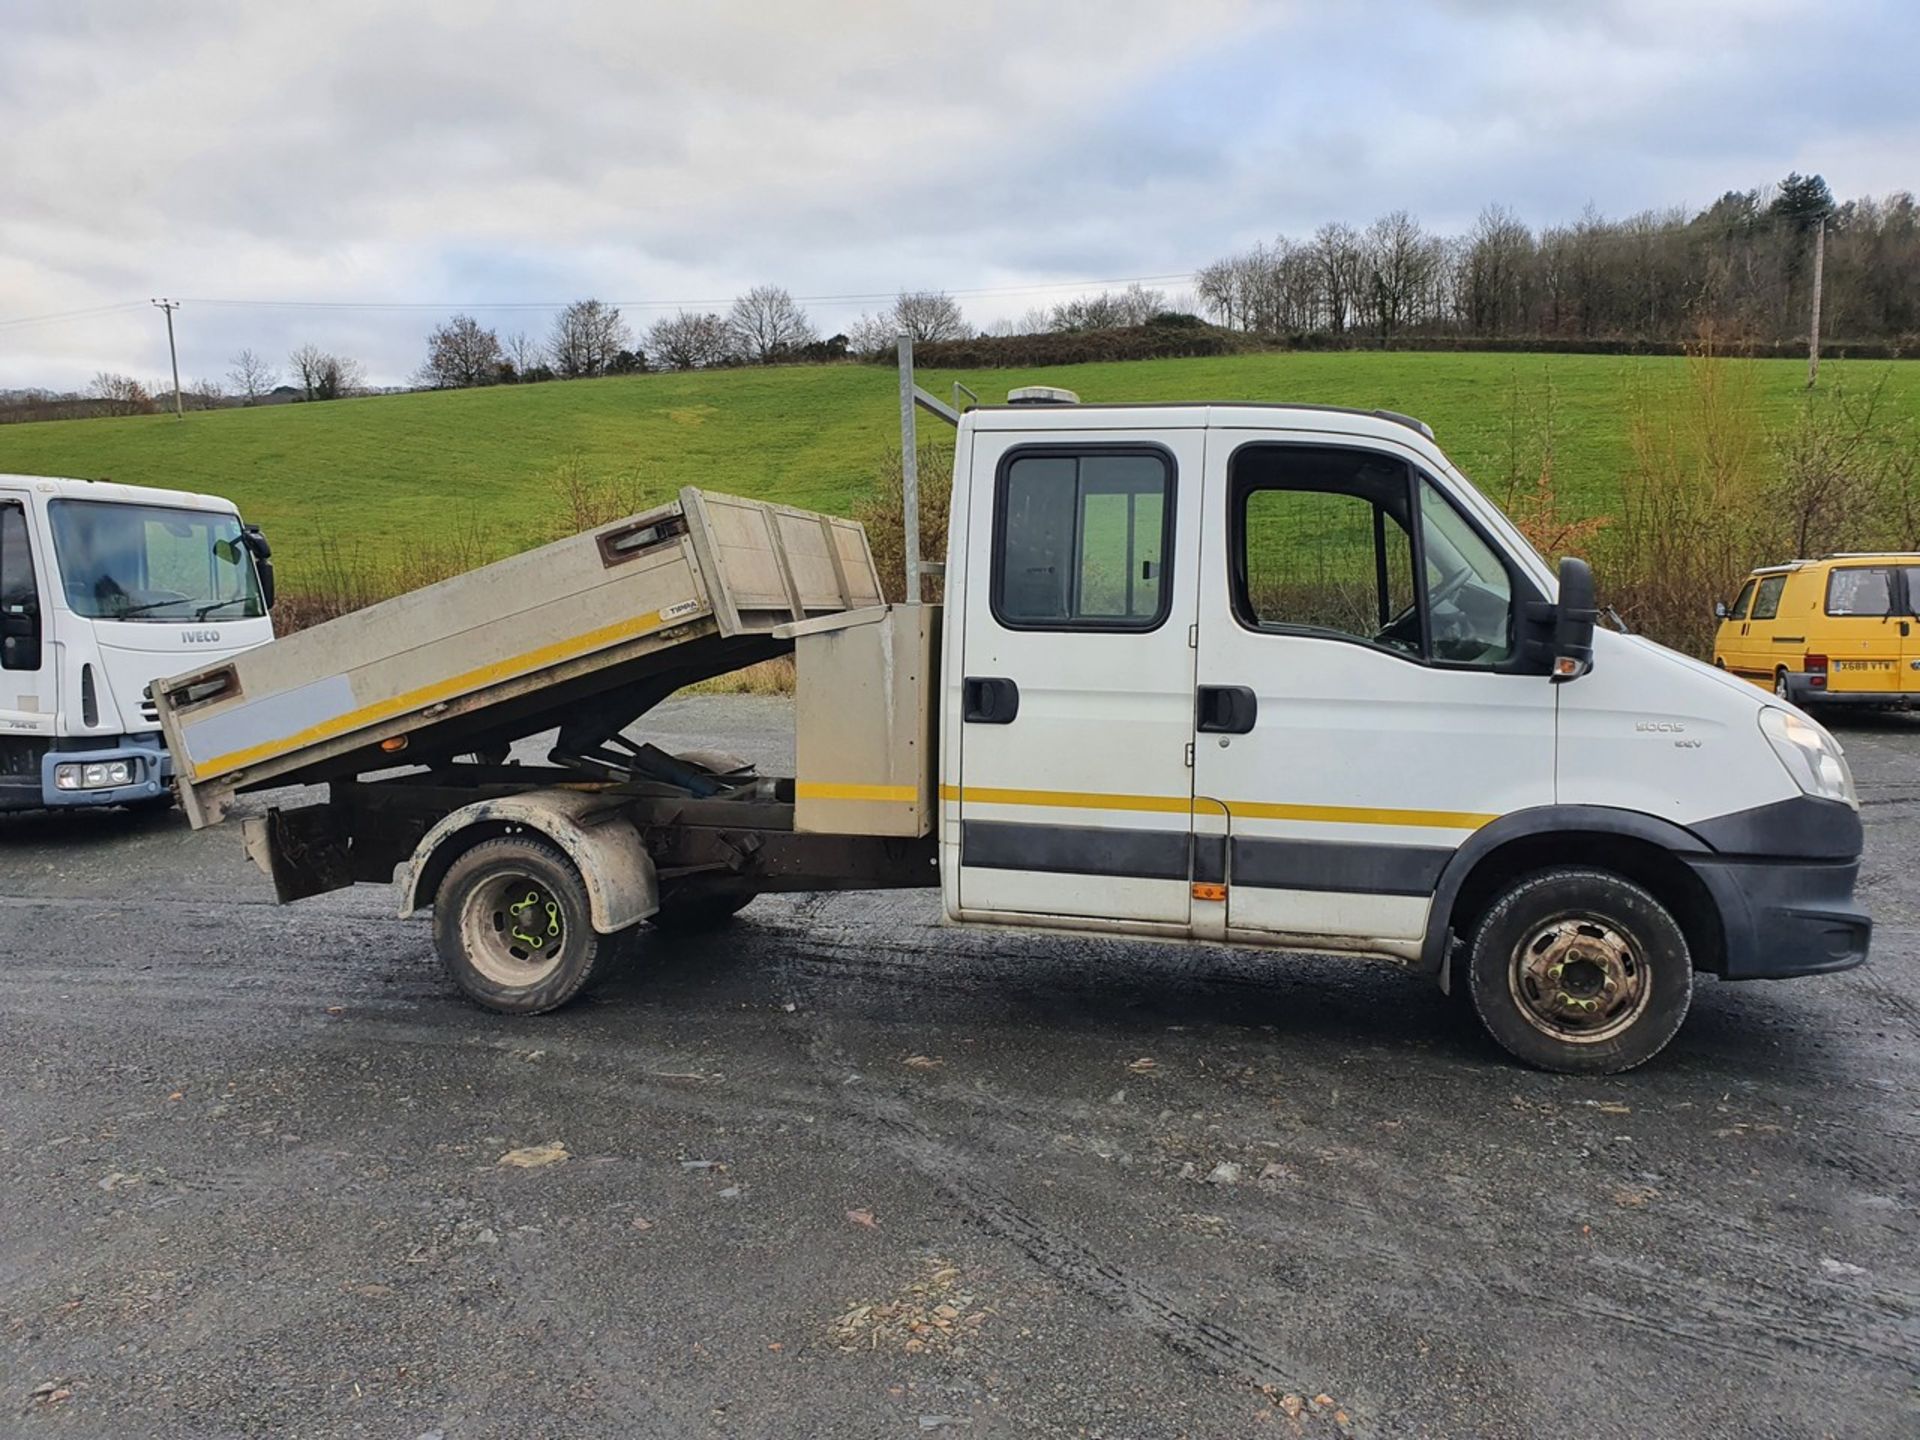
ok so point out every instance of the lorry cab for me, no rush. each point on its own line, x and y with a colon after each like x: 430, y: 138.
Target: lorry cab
x: 105, y: 589
x: 1282, y: 676
x: 1841, y: 630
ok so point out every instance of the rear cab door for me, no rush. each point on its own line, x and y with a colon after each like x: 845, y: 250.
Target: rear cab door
x: 1069, y: 704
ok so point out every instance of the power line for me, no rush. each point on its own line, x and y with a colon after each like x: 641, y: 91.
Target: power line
x: 71, y: 314
x: 866, y: 297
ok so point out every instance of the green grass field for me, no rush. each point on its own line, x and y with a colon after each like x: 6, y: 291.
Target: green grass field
x: 375, y: 475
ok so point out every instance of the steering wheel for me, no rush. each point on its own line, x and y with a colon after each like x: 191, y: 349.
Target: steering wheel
x: 1450, y: 587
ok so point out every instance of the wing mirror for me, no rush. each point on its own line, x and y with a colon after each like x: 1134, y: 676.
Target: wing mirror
x: 1573, y: 621
x: 1719, y: 609
x: 256, y: 541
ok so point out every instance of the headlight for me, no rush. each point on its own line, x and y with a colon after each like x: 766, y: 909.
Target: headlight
x: 99, y: 775
x: 1811, y: 755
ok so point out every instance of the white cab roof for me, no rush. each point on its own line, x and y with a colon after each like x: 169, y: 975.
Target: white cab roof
x: 59, y: 487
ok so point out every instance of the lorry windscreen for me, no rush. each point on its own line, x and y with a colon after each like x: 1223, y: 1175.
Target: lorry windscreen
x: 154, y: 563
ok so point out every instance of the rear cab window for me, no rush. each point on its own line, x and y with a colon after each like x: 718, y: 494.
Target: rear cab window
x: 1766, y: 600
x: 1082, y: 539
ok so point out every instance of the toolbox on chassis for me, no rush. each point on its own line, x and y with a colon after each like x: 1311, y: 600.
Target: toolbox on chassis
x: 1245, y: 674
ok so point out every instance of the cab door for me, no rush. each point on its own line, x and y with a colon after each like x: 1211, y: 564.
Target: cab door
x: 1729, y: 643
x: 1760, y: 657
x: 1362, y: 708
x: 1074, y: 794
x: 27, y: 693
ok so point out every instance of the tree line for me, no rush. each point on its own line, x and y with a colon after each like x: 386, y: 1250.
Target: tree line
x: 1744, y: 266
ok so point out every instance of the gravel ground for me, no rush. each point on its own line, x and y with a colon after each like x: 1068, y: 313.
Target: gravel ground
x: 841, y: 1172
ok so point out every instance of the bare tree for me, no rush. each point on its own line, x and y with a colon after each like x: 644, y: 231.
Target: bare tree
x: 120, y: 394
x: 929, y: 315
x: 527, y: 355
x: 252, y: 375
x: 689, y: 342
x: 323, y: 375
x: 1337, y: 251
x: 461, y: 354
x: 767, y: 324
x: 1401, y: 259
x: 587, y: 338
x: 203, y: 394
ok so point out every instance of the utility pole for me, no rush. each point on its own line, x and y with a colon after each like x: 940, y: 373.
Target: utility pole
x: 1813, y: 327
x: 909, y: 469
x: 179, y: 410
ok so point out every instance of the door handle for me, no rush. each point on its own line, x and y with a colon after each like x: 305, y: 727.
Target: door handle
x: 1226, y: 710
x: 989, y: 700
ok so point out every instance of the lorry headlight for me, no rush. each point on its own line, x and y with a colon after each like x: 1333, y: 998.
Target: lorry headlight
x: 1812, y: 756
x: 94, y: 775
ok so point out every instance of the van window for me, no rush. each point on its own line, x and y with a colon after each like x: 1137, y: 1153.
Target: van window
x: 1082, y: 540
x: 1858, y: 590
x: 1766, y: 600
x: 1323, y: 543
x: 16, y: 559
x: 1468, y: 588
x: 1739, y: 611
x: 19, y: 595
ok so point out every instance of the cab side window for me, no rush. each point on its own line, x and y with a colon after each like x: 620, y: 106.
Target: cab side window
x: 1739, y: 611
x: 1083, y: 541
x: 1766, y: 600
x: 1325, y: 543
x: 19, y: 594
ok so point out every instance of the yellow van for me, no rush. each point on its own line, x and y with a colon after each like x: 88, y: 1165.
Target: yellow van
x: 1840, y: 630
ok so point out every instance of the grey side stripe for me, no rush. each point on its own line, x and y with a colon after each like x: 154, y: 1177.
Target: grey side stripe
x: 1339, y: 866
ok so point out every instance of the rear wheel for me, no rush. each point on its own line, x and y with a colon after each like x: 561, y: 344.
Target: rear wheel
x: 514, y: 928
x: 1580, y: 971
x: 1780, y: 684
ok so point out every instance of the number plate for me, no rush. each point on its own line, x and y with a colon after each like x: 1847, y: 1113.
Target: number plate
x: 1863, y: 664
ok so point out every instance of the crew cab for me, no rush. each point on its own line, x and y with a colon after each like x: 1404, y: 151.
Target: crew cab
x: 1250, y: 674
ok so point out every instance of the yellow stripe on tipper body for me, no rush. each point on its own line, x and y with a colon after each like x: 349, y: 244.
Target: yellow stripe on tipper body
x: 511, y: 668
x: 830, y: 790
x: 1238, y: 809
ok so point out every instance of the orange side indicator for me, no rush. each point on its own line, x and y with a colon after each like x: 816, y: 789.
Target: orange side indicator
x: 1204, y: 890
x: 394, y: 745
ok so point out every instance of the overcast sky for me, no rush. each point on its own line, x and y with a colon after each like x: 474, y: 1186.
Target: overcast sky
x: 469, y: 154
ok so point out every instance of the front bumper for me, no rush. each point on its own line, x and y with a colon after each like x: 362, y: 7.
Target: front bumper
x: 147, y: 755
x: 1785, y: 917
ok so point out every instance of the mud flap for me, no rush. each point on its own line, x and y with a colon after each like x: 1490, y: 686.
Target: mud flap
x: 301, y: 851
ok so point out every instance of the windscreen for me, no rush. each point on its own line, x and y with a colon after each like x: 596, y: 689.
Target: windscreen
x: 153, y: 562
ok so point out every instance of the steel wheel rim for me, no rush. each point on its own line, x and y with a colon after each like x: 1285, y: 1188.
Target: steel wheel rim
x: 1580, y: 979
x: 513, y: 930
x: 1780, y: 685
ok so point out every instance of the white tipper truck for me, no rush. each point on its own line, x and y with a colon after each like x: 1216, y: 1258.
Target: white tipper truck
x: 1251, y: 674
x: 104, y: 589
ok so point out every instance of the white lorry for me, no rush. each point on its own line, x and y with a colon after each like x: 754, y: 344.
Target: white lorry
x: 1268, y: 675
x: 104, y: 589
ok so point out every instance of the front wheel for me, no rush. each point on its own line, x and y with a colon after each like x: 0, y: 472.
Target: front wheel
x: 514, y: 929
x: 1580, y: 971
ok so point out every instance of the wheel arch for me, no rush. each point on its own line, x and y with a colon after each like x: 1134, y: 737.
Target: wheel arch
x: 1641, y: 848
x: 602, y: 846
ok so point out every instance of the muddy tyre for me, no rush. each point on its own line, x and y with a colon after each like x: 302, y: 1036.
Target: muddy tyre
x: 1580, y: 971
x: 514, y: 929
x: 700, y: 914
